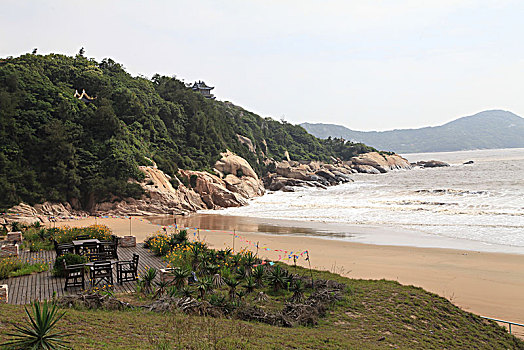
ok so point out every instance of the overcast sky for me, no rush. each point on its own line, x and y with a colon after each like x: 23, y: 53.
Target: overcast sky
x: 368, y: 65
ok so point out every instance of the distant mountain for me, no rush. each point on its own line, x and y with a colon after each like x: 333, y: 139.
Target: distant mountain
x: 484, y: 130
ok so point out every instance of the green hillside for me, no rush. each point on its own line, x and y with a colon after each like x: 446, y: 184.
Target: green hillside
x: 56, y: 147
x: 374, y: 315
x: 484, y: 130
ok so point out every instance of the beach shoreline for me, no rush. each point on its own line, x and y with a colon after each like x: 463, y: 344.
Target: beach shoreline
x: 486, y: 283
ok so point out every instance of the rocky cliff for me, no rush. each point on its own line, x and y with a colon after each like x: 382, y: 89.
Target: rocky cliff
x: 231, y: 185
x: 234, y: 183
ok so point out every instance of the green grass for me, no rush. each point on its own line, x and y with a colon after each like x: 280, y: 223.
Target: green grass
x: 375, y: 315
x: 28, y: 269
x: 14, y: 267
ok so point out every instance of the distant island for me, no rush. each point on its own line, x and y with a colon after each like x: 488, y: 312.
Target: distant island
x: 485, y: 130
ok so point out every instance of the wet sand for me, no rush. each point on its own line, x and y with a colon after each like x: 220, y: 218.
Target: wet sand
x: 485, y: 283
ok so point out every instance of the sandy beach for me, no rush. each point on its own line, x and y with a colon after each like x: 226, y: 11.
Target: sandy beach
x: 488, y: 284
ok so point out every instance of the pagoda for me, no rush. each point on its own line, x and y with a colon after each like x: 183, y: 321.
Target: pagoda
x: 205, y: 90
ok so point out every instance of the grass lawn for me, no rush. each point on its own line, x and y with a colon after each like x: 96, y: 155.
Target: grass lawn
x: 375, y: 315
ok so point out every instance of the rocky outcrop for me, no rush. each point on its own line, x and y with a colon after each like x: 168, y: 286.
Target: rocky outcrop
x: 431, y: 164
x: 233, y: 164
x: 381, y: 162
x: 289, y: 174
x: 41, y: 212
x: 247, y: 141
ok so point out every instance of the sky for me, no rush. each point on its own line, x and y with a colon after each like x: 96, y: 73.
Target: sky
x: 367, y: 65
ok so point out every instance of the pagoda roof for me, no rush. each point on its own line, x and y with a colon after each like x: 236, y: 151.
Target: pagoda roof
x: 201, y: 85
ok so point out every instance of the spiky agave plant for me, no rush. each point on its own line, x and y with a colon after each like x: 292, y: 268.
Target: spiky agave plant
x: 203, y: 286
x: 232, y: 283
x: 277, y: 278
x: 148, y: 279
x: 180, y: 276
x: 258, y: 275
x: 250, y: 285
x: 39, y: 334
x: 298, y: 288
x: 186, y: 292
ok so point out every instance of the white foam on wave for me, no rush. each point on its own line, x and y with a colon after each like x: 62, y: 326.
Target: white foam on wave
x: 482, y: 202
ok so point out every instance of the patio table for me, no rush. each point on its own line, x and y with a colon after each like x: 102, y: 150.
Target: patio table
x: 78, y: 243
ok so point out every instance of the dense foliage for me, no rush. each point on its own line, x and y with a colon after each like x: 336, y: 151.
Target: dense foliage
x: 70, y: 259
x: 56, y: 147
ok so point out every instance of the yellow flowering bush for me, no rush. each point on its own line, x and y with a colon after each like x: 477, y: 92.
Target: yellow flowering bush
x: 68, y: 234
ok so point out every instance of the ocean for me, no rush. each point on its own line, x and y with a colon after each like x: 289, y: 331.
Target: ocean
x: 476, y: 206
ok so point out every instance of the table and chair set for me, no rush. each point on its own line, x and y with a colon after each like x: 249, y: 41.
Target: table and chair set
x: 102, y: 257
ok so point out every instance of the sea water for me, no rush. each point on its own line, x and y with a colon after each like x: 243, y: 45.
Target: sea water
x: 481, y: 203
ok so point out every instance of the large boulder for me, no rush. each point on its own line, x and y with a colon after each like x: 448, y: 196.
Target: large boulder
x: 381, y: 162
x: 366, y: 169
x: 285, y: 169
x: 213, y: 190
x: 431, y: 164
x: 230, y: 163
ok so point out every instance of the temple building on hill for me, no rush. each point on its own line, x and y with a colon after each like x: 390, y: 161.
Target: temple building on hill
x: 205, y: 90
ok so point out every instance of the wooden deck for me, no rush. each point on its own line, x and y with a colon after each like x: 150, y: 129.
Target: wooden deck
x: 42, y: 286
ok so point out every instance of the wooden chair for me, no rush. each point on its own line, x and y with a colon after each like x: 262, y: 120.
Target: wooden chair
x: 127, y: 270
x: 101, y: 271
x: 110, y: 248
x: 74, y: 275
x: 64, y: 248
x: 99, y: 256
x: 115, y: 238
x: 90, y: 249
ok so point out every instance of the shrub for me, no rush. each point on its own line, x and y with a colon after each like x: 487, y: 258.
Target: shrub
x: 174, y: 182
x: 8, y: 265
x: 193, y: 180
x: 185, y: 181
x: 71, y: 259
x: 68, y: 234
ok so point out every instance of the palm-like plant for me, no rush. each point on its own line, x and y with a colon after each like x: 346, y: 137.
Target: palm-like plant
x: 162, y: 286
x: 258, y: 274
x: 186, y: 291
x: 180, y: 276
x: 39, y: 334
x: 250, y: 285
x: 241, y: 273
x: 203, y: 286
x: 232, y: 283
x: 297, y: 287
x: 217, y: 300
x: 277, y: 278
x: 249, y: 259
x: 147, y: 279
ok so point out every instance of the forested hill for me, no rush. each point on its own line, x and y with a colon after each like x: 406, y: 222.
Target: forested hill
x: 484, y: 130
x: 56, y: 147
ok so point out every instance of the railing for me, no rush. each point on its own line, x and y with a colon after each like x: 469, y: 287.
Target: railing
x: 502, y: 321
